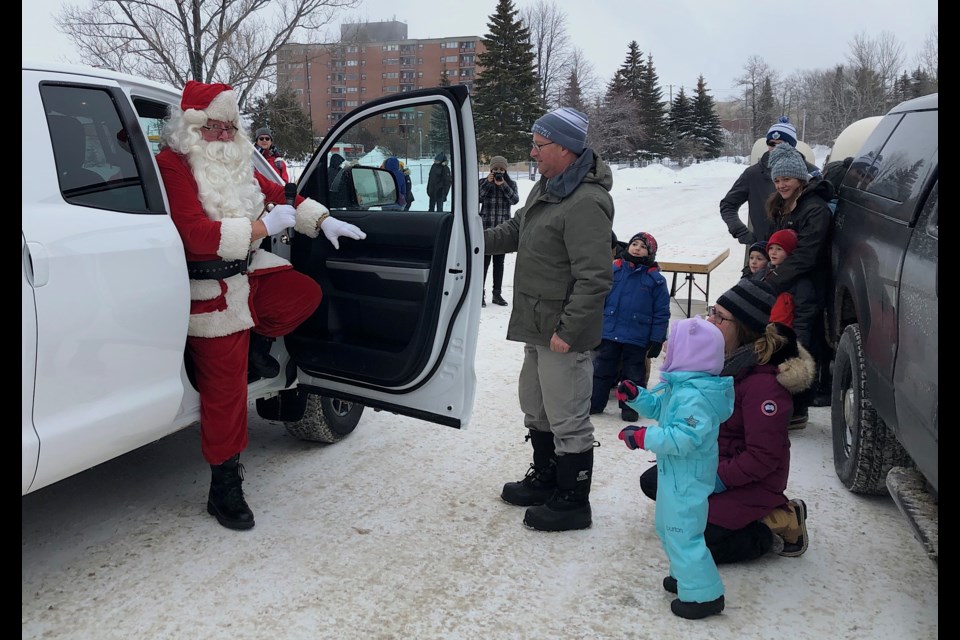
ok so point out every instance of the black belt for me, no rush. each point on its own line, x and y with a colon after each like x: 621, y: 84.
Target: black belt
x: 215, y: 269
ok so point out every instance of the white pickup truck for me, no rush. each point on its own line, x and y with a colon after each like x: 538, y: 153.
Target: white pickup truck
x: 105, y: 295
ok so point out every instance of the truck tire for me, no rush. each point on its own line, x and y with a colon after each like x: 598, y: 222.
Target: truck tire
x: 864, y: 449
x: 326, y: 420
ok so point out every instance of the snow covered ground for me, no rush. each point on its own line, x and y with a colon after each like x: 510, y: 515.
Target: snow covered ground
x: 398, y: 532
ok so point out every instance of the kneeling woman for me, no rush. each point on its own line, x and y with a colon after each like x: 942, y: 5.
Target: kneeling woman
x: 749, y: 514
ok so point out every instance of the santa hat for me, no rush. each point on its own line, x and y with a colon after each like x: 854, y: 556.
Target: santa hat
x: 786, y: 239
x: 201, y: 102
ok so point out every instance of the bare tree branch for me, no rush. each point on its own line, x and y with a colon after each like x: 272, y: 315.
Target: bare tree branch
x: 172, y: 41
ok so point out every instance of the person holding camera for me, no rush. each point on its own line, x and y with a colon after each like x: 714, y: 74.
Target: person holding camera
x: 498, y: 192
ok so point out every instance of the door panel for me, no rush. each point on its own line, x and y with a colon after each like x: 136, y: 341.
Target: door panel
x: 398, y: 321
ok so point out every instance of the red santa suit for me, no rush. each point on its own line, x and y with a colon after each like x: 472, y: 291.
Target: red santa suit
x: 258, y: 290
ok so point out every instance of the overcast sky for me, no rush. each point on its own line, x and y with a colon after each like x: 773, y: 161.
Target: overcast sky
x: 687, y: 38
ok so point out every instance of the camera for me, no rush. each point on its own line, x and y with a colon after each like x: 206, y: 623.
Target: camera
x: 498, y: 175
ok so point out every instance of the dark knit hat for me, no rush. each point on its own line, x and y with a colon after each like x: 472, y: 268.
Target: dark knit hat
x: 782, y: 130
x: 498, y: 162
x: 264, y: 131
x: 648, y: 241
x: 787, y: 162
x: 565, y: 126
x: 786, y: 239
x: 749, y: 301
x: 761, y: 247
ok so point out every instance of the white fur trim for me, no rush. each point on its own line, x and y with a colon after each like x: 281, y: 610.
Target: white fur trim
x: 266, y: 260
x: 235, y: 238
x: 308, y: 213
x: 195, y: 117
x: 236, y: 316
x: 224, y: 107
x: 205, y: 289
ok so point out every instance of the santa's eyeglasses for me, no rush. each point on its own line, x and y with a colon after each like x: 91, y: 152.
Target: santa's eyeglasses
x: 219, y: 130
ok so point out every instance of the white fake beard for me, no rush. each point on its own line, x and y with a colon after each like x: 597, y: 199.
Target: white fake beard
x: 224, y: 175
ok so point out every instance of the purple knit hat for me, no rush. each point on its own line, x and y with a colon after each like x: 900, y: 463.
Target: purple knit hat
x: 695, y: 345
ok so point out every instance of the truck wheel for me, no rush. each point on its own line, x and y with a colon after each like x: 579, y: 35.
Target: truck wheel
x: 864, y: 449
x: 326, y: 420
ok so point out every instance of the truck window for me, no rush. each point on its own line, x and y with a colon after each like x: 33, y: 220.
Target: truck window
x: 92, y: 150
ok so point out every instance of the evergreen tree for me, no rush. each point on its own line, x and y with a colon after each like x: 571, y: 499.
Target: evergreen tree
x: 506, y: 100
x: 572, y: 94
x: 681, y: 126
x: 438, y: 137
x: 652, y: 114
x: 615, y: 123
x: 290, y: 126
x: 766, y: 112
x: 706, y: 122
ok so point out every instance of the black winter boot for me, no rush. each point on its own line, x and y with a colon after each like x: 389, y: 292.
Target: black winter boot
x: 696, y: 610
x: 569, y: 507
x: 541, y: 479
x: 225, y: 501
x: 260, y: 364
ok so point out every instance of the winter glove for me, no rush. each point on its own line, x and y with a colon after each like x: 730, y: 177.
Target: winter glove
x: 745, y: 236
x: 632, y: 436
x: 335, y: 229
x: 719, y: 487
x: 627, y: 390
x: 279, y: 218
x: 653, y: 349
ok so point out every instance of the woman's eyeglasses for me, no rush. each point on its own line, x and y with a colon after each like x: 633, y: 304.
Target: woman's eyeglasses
x: 262, y: 138
x: 715, y: 315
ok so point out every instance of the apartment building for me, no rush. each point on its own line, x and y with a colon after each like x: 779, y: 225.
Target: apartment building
x: 372, y: 59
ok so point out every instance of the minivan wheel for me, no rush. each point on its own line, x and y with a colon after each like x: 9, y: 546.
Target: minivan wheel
x: 326, y: 420
x: 864, y: 449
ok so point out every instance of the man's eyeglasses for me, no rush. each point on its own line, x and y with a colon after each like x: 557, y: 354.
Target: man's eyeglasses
x: 715, y: 315
x: 262, y: 138
x: 219, y: 130
x: 539, y: 147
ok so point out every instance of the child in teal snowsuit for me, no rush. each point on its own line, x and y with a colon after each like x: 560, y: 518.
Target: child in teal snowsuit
x: 689, y: 404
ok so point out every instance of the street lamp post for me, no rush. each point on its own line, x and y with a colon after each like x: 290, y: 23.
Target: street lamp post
x: 420, y: 134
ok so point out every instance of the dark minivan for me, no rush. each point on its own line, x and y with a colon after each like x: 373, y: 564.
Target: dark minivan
x: 883, y: 317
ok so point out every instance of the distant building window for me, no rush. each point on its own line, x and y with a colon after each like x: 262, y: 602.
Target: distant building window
x: 450, y: 59
x: 353, y: 49
x: 390, y: 89
x: 351, y: 89
x: 391, y: 47
x: 392, y: 75
x: 391, y: 61
x: 450, y: 45
x: 468, y: 45
x: 467, y: 59
x: 352, y: 63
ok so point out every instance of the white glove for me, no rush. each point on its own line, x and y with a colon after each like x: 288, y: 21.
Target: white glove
x: 279, y: 218
x: 334, y: 229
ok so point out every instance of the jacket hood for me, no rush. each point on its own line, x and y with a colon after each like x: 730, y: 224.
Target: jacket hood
x: 795, y: 373
x: 717, y: 390
x: 587, y: 168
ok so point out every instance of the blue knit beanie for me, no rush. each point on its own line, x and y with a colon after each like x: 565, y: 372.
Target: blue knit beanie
x: 565, y: 126
x: 783, y: 130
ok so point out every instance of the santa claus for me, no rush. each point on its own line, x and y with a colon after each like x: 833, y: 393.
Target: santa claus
x: 242, y: 297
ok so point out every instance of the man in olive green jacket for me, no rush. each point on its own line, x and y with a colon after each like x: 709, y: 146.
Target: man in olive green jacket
x: 562, y: 275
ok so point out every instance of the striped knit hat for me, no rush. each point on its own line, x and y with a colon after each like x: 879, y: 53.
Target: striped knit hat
x: 565, y: 126
x: 749, y: 301
x: 783, y: 130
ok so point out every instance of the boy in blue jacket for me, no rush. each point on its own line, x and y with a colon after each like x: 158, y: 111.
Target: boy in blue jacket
x: 689, y: 404
x: 636, y: 314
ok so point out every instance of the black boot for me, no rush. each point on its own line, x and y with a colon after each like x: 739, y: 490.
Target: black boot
x: 498, y: 299
x: 260, y: 364
x: 696, y: 610
x: 225, y: 501
x: 569, y: 507
x: 541, y: 479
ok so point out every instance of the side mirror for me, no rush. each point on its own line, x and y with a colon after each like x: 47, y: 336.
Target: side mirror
x: 375, y: 187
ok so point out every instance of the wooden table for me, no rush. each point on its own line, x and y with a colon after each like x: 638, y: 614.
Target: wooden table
x: 690, y: 261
